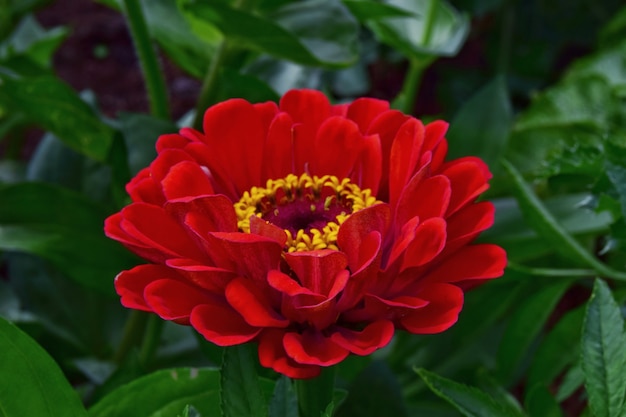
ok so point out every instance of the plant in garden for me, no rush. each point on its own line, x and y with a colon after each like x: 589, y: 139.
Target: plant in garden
x: 293, y: 225
x: 314, y: 230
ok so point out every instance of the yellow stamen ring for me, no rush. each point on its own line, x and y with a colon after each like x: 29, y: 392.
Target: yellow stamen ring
x: 342, y: 196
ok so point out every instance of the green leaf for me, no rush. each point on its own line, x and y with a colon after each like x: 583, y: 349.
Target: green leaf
x: 558, y: 349
x: 32, y: 383
x: 30, y: 40
x: 301, y: 36
x: 541, y: 403
x: 189, y: 411
x: 339, y: 395
x: 617, y: 176
x: 64, y: 228
x: 481, y: 127
x: 284, y: 402
x: 53, y: 105
x: 435, y: 28
x: 175, y: 34
x: 573, y: 379
x: 564, y: 128
x: 525, y: 324
x: 241, y: 394
x: 469, y: 401
x: 233, y: 84
x: 374, y: 392
x: 366, y: 10
x: 163, y: 393
x: 603, y: 354
x: 547, y: 227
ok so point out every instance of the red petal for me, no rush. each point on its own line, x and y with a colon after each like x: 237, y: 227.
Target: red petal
x: 173, y: 140
x: 429, y: 241
x: 278, y: 156
x: 468, y: 179
x: 261, y: 227
x: 160, y: 167
x: 234, y: 131
x: 208, y: 277
x: 153, y: 227
x: 145, y: 189
x: 130, y: 285
x: 442, y: 311
x: 186, y: 179
x: 405, y: 153
x: 310, y: 107
x: 471, y: 262
x: 204, y: 214
x: 364, y: 110
x: 174, y: 300
x: 317, y: 270
x: 249, y: 255
x: 272, y: 355
x: 338, y: 143
x: 221, y: 325
x: 354, y: 230
x: 374, y: 336
x: 312, y: 348
x: 368, y: 167
x: 434, y: 133
x: 468, y: 222
x: 252, y: 304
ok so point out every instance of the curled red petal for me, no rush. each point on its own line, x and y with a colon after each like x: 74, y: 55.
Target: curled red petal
x: 252, y: 304
x: 261, y: 227
x: 313, y: 348
x: 405, y: 153
x: 374, y: 336
x: 130, y: 285
x: 222, y: 325
x: 317, y: 270
x: 272, y: 355
x: 176, y: 183
x: 428, y: 242
x: 174, y: 300
x: 444, y: 305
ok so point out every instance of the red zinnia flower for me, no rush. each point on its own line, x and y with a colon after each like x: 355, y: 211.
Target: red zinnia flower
x: 311, y: 229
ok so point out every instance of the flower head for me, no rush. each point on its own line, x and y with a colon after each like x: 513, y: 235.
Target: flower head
x: 314, y: 230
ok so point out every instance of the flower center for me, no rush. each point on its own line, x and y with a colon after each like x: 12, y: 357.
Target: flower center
x: 309, y: 208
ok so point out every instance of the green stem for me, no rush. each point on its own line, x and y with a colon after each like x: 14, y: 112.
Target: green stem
x: 411, y: 84
x: 155, y: 83
x: 133, y: 334
x: 151, y: 339
x: 314, y: 395
x: 208, y: 93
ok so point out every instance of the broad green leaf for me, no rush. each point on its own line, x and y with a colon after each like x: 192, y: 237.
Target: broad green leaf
x: 603, y: 354
x: 240, y: 391
x: 189, y: 411
x: 547, y: 227
x: 481, y: 127
x: 469, y: 401
x: 435, y: 28
x: 541, y: 403
x: 564, y: 129
x: 617, y: 175
x: 64, y: 228
x: 163, y: 393
x: 325, y: 27
x: 558, y: 349
x: 374, y: 392
x: 284, y: 402
x: 175, y: 34
x: 366, y: 10
x: 53, y: 105
x: 301, y: 36
x: 524, y: 326
x: 233, y: 84
x: 30, y: 40
x: 32, y: 383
